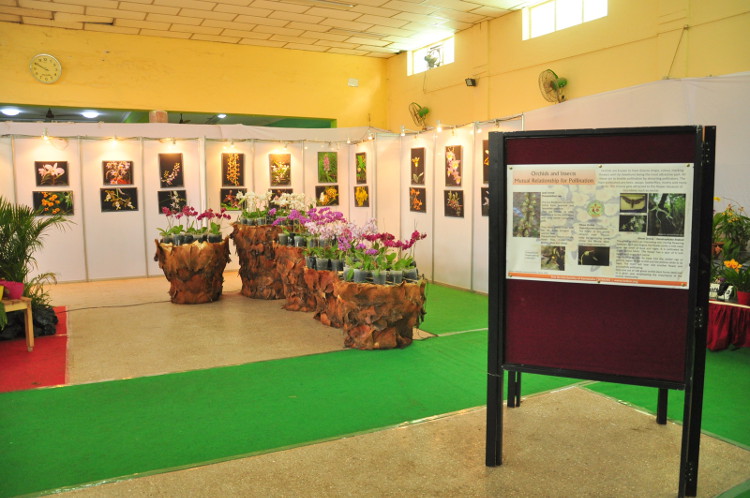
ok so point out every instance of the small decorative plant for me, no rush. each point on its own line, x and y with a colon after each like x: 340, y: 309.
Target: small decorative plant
x: 737, y: 275
x: 731, y: 233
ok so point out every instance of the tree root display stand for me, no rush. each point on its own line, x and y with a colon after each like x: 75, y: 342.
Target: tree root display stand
x: 321, y: 285
x: 290, y: 263
x: 256, y: 250
x: 195, y: 271
x: 379, y: 316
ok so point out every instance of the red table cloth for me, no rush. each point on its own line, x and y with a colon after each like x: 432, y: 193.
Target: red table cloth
x: 728, y: 324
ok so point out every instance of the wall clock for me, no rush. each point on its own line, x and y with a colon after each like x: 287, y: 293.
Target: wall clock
x: 45, y: 68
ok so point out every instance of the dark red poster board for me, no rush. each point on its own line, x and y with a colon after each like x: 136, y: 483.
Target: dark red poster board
x: 652, y: 336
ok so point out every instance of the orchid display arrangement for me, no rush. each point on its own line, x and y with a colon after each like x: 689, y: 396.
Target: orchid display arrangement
x: 213, y: 221
x: 287, y: 202
x: 254, y: 205
x: 737, y: 275
x: 293, y: 223
x: 731, y: 230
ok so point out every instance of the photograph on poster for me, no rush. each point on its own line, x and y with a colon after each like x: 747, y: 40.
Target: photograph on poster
x: 632, y: 223
x: 666, y: 214
x: 229, y: 200
x: 526, y: 213
x: 361, y: 197
x: 485, y: 197
x: 118, y: 199
x: 361, y: 158
x: 280, y: 167
x: 48, y: 203
x: 328, y: 168
x: 618, y: 224
x: 553, y: 258
x: 275, y: 193
x: 51, y: 173
x: 633, y: 203
x: 418, y: 200
x: 117, y: 172
x: 174, y: 200
x: 327, y: 195
x: 454, y: 203
x: 417, y: 166
x: 593, y: 256
x: 453, y: 165
x: 171, y: 169
x: 485, y: 161
x: 232, y: 169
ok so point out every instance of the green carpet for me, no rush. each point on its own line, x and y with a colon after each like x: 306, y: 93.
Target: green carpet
x: 725, y: 396
x: 453, y: 310
x: 67, y: 436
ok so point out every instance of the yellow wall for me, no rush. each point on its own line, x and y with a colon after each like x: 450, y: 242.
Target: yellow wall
x: 136, y: 72
x: 636, y: 43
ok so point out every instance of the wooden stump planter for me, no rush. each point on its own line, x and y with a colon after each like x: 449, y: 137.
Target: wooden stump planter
x: 321, y: 285
x: 290, y: 263
x: 379, y: 316
x: 195, y: 271
x: 256, y: 250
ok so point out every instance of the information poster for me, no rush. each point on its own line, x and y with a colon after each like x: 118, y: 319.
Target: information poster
x: 622, y: 224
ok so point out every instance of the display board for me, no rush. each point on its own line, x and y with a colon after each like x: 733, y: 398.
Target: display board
x: 596, y: 271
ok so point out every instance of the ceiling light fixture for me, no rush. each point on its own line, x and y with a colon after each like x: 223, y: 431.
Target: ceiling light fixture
x: 221, y: 116
x: 11, y: 111
x: 90, y: 114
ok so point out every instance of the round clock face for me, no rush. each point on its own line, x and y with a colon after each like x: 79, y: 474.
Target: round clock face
x: 45, y: 68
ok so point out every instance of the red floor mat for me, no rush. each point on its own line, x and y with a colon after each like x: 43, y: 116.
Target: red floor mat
x: 44, y: 366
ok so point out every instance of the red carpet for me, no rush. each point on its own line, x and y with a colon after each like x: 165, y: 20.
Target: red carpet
x: 44, y: 366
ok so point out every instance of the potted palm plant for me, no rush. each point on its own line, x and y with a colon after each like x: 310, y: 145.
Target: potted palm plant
x: 22, y: 231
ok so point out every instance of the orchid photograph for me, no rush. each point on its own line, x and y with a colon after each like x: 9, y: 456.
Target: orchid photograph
x: 232, y: 169
x: 171, y: 170
x: 328, y: 167
x: 117, y: 172
x: 453, y: 166
x: 51, y: 173
x: 50, y: 203
x: 118, y: 199
x: 280, y: 166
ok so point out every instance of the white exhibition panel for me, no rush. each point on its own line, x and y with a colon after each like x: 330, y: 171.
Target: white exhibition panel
x: 453, y: 234
x: 6, y: 169
x: 115, y: 240
x: 413, y: 220
x: 480, y: 235
x: 191, y: 170
x: 357, y: 214
x: 64, y: 251
x: 385, y: 177
x: 311, y: 154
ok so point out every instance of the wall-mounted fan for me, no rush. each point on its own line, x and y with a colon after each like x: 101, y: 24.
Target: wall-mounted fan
x: 419, y: 115
x: 551, y: 86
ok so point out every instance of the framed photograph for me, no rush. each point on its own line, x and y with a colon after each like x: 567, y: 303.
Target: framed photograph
x: 175, y: 200
x: 232, y: 169
x: 327, y: 195
x: 485, y: 196
x: 454, y: 203
x: 328, y: 167
x: 361, y: 196
x: 417, y: 166
x: 453, y: 168
x: 171, y: 170
x: 280, y: 167
x: 485, y: 161
x: 361, y: 173
x: 48, y: 203
x: 51, y: 173
x: 229, y: 200
x: 418, y: 200
x: 118, y: 199
x: 117, y: 172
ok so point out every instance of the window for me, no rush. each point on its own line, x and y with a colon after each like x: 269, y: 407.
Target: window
x: 431, y: 56
x: 554, y: 15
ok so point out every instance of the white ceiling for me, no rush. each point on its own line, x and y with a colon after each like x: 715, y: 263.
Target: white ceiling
x: 376, y: 28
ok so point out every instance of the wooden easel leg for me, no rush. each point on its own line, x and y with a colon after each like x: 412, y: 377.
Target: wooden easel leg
x: 29, y: 328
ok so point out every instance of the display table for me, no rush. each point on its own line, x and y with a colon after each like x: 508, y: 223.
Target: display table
x: 255, y: 247
x: 290, y: 263
x: 728, y: 324
x: 320, y: 283
x: 379, y: 316
x: 23, y: 303
x: 195, y: 271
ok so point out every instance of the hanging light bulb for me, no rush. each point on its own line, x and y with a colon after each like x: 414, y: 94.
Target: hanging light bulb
x: 44, y: 134
x: 403, y: 131
x: 439, y: 126
x: 348, y: 140
x: 479, y: 128
x: 453, y: 131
